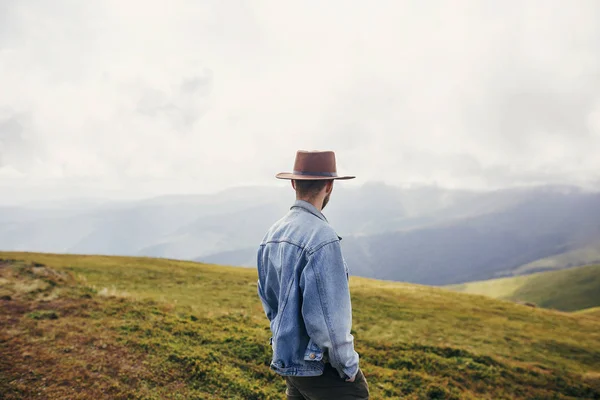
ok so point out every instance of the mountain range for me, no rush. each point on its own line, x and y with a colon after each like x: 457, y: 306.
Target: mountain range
x: 428, y: 235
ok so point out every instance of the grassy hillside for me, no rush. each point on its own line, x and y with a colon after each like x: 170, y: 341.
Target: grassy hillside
x: 567, y: 290
x: 592, y: 312
x: 83, y: 327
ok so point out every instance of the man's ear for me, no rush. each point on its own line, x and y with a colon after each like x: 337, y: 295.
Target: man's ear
x: 293, y: 184
x: 329, y: 186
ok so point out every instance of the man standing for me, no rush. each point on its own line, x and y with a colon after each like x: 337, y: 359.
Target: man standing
x: 303, y: 286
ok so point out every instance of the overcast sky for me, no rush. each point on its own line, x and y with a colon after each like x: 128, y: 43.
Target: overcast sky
x: 137, y: 98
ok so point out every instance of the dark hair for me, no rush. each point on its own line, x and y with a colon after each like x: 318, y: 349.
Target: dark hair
x: 309, y: 188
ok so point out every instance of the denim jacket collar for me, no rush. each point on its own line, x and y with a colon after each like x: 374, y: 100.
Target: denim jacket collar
x: 306, y: 206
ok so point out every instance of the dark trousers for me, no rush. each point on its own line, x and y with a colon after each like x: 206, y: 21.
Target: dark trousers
x: 328, y: 386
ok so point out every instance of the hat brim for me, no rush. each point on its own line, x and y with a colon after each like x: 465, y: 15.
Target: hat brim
x: 290, y: 175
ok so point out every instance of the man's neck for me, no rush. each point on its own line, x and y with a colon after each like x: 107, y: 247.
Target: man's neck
x: 317, y: 202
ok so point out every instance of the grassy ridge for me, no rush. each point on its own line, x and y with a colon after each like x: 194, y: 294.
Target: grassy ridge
x: 592, y: 312
x: 567, y: 290
x: 113, y: 327
x: 584, y: 256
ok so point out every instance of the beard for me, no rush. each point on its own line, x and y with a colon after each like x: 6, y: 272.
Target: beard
x: 326, y: 200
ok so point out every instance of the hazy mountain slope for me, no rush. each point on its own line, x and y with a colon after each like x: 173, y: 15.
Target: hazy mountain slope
x: 217, y: 233
x: 116, y: 327
x: 482, y: 247
x: 489, y: 245
x: 568, y: 290
x: 242, y: 258
x: 376, y: 207
x: 421, y: 234
x: 110, y: 229
x: 125, y: 228
x: 161, y: 222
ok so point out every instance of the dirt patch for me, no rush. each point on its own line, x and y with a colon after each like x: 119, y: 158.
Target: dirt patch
x: 69, y: 356
x: 51, y: 345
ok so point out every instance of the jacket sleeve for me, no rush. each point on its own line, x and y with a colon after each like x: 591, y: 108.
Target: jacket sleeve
x: 326, y: 307
x: 269, y: 310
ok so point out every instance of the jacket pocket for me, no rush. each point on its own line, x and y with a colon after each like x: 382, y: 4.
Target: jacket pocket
x: 313, y: 352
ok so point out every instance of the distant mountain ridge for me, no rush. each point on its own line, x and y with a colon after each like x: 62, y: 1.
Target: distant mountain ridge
x: 480, y: 247
x: 424, y: 235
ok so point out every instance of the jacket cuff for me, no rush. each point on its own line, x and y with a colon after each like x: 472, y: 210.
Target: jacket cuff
x: 350, y: 372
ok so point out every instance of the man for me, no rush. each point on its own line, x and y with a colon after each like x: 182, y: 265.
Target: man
x: 303, y: 286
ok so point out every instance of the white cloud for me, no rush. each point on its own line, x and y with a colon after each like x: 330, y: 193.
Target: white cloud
x: 152, y: 97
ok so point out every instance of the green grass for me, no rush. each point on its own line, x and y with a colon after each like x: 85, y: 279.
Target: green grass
x: 567, y: 290
x: 114, y: 327
x: 592, y: 312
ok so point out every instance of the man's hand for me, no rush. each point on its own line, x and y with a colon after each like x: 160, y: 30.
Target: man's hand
x: 351, y: 379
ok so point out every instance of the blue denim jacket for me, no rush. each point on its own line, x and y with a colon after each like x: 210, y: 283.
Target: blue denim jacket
x: 303, y: 286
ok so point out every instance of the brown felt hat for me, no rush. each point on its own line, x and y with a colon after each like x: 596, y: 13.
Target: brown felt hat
x: 313, y: 165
